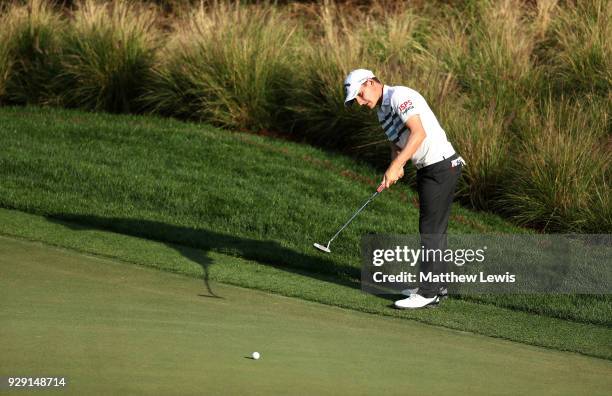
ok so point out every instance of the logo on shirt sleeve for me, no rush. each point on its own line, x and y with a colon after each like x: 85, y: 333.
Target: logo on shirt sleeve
x: 404, y: 107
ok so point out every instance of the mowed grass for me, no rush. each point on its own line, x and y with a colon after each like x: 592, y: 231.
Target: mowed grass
x: 210, y: 266
x: 112, y: 328
x: 248, y: 196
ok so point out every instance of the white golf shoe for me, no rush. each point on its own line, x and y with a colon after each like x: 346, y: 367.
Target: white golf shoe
x: 416, y: 301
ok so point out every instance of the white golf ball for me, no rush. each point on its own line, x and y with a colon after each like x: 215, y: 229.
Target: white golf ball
x: 255, y: 355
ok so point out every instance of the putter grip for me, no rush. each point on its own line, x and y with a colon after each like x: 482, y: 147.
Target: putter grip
x: 381, y: 187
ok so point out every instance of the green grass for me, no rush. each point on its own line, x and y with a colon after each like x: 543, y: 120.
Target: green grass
x: 71, y: 315
x: 485, y: 319
x: 251, y: 197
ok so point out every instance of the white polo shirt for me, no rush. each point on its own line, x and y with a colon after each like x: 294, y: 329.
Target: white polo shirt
x: 398, y: 105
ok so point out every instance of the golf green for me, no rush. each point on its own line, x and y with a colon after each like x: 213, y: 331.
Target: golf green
x: 115, y: 328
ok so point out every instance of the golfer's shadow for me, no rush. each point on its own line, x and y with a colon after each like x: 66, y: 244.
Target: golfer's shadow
x: 195, y: 255
x: 195, y: 245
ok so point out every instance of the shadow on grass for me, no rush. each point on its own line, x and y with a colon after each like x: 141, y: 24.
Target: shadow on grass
x: 194, y: 244
x: 198, y: 257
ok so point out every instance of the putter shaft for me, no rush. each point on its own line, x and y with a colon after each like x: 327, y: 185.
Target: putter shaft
x: 352, y: 217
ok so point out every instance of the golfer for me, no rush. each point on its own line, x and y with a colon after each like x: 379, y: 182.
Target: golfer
x: 414, y: 134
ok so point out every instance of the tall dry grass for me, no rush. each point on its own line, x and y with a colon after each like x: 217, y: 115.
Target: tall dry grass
x: 108, y: 54
x: 29, y: 52
x: 482, y: 139
x: 561, y: 179
x: 489, y: 48
x: 6, y: 61
x: 580, y: 48
x: 227, y: 64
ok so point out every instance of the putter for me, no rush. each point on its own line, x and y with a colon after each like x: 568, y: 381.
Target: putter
x: 325, y: 248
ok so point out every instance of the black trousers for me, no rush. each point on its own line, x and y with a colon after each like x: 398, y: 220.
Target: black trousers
x: 436, y: 187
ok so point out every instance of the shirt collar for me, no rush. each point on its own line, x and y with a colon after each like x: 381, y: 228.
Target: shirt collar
x: 386, y: 97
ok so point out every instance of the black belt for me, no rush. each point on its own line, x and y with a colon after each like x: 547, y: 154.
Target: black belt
x: 439, y: 163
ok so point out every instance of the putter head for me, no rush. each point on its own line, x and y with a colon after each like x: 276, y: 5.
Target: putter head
x: 322, y: 248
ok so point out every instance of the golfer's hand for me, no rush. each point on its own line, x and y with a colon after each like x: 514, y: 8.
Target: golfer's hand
x: 392, y: 175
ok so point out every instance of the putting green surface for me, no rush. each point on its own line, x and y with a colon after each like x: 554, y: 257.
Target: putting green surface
x: 114, y: 328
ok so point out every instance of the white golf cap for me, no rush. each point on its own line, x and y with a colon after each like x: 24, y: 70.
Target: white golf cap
x: 353, y: 82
